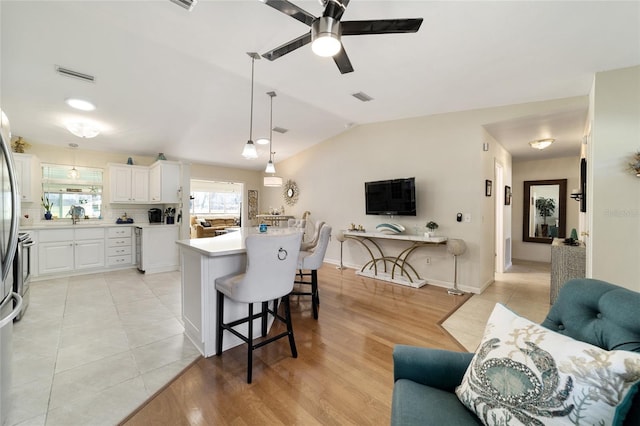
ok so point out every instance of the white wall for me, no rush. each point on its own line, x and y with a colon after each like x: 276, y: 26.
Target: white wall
x: 557, y: 168
x: 613, y: 191
x: 443, y: 152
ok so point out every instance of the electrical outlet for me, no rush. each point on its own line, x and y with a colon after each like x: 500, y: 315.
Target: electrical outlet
x: 428, y: 260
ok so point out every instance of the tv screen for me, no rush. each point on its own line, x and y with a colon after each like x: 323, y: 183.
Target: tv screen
x: 391, y: 197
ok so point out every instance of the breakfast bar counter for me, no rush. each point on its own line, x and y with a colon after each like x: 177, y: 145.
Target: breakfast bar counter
x: 202, y: 260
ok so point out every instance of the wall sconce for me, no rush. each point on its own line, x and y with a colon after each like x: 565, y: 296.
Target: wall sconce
x: 576, y: 195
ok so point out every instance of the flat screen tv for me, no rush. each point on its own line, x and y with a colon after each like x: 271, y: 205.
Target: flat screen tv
x: 391, y: 197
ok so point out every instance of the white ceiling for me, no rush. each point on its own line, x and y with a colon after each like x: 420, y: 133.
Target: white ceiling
x: 178, y: 82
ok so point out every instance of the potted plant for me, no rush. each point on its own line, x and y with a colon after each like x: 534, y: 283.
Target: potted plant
x: 432, y: 226
x: 47, y: 207
x: 545, y: 207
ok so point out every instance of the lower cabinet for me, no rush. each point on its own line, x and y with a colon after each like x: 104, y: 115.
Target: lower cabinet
x: 66, y: 250
x: 159, y: 251
x: 120, y: 246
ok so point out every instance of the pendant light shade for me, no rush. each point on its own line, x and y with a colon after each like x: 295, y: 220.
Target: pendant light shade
x: 249, y: 152
x: 271, y: 168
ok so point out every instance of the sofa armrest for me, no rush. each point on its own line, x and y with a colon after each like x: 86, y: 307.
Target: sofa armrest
x: 431, y: 367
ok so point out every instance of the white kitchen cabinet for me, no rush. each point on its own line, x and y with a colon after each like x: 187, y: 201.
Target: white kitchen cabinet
x: 128, y: 184
x: 24, y: 164
x: 159, y: 252
x: 164, y: 182
x: 119, y: 246
x: 67, y: 250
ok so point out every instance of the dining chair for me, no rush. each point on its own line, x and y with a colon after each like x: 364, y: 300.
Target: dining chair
x: 269, y: 276
x: 311, y: 261
x: 297, y: 223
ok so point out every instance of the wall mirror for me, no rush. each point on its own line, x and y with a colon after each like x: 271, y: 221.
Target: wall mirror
x: 544, y: 214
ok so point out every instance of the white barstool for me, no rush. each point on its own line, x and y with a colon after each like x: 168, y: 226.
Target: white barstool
x: 456, y: 248
x: 314, y: 238
x: 312, y: 261
x: 269, y: 275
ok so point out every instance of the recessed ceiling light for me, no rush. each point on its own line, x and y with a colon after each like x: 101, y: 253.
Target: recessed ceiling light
x: 262, y: 141
x: 541, y: 143
x: 80, y: 104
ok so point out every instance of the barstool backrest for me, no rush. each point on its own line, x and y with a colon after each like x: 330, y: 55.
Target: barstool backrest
x: 271, y: 267
x: 314, y: 259
x: 308, y: 245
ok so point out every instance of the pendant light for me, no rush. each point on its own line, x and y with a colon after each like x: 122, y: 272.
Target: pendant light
x: 272, y: 180
x: 73, y: 173
x: 249, y: 152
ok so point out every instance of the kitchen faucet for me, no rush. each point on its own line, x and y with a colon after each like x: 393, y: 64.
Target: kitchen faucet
x: 74, y: 214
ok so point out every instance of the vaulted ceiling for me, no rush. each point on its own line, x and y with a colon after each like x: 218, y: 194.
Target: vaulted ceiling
x: 168, y: 80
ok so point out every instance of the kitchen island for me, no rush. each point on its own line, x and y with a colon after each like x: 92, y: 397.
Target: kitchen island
x: 202, y: 260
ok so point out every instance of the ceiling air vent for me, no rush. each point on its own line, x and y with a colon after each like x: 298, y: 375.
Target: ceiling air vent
x: 75, y: 74
x: 361, y: 96
x: 280, y: 129
x: 187, y: 4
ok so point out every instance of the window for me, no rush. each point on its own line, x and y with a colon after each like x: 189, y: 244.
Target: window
x: 215, y: 198
x: 64, y: 191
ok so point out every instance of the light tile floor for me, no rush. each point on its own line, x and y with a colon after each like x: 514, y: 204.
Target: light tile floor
x: 92, y: 348
x: 524, y: 289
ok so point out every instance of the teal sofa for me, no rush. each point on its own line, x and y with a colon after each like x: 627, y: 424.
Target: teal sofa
x: 589, y: 310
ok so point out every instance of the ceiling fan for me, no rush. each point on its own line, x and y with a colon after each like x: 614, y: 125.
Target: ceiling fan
x: 327, y: 30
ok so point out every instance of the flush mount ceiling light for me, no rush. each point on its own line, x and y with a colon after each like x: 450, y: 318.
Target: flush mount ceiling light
x: 80, y: 104
x: 541, y: 143
x: 249, y: 152
x: 262, y: 141
x: 274, y: 181
x: 83, y: 129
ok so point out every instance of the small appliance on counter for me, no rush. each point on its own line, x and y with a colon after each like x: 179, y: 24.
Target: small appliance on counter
x: 155, y: 215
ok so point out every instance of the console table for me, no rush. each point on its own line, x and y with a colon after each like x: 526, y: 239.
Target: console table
x: 401, y: 271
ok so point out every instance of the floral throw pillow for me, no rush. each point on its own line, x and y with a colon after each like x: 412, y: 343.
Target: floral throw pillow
x: 525, y: 374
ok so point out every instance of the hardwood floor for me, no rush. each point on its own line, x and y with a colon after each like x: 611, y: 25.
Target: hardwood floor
x: 344, y: 370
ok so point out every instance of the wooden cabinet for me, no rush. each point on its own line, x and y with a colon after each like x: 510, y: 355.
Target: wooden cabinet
x: 128, y: 184
x: 164, y: 182
x: 120, y: 247
x: 66, y: 250
x: 24, y: 165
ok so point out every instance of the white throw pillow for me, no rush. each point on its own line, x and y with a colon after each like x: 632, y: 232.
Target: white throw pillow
x: 525, y: 374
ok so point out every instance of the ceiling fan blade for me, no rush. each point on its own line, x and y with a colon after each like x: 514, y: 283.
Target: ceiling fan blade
x: 342, y: 61
x: 334, y: 9
x: 292, y: 10
x: 288, y: 47
x: 381, y: 26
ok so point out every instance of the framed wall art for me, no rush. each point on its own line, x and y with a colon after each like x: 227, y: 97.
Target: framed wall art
x: 507, y: 195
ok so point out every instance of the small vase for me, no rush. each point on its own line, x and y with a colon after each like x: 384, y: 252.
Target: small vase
x: 47, y: 215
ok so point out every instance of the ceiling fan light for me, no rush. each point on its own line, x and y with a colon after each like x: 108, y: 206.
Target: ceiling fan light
x: 325, y: 33
x: 83, y: 129
x: 271, y: 168
x: 249, y: 152
x: 541, y: 143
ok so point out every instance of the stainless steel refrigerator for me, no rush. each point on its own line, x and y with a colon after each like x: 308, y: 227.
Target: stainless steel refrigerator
x: 10, y: 302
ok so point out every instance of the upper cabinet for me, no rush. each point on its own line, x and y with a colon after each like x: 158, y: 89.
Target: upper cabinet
x: 129, y: 184
x: 164, y: 182
x: 158, y: 183
x: 24, y: 163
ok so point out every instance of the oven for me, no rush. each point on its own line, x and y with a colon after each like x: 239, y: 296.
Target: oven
x: 22, y: 270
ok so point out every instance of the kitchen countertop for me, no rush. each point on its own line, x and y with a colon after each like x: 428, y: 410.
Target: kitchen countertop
x: 61, y: 224
x: 230, y: 243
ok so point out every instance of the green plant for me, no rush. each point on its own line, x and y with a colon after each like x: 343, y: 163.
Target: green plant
x: 46, y: 203
x: 432, y: 225
x: 545, y: 207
